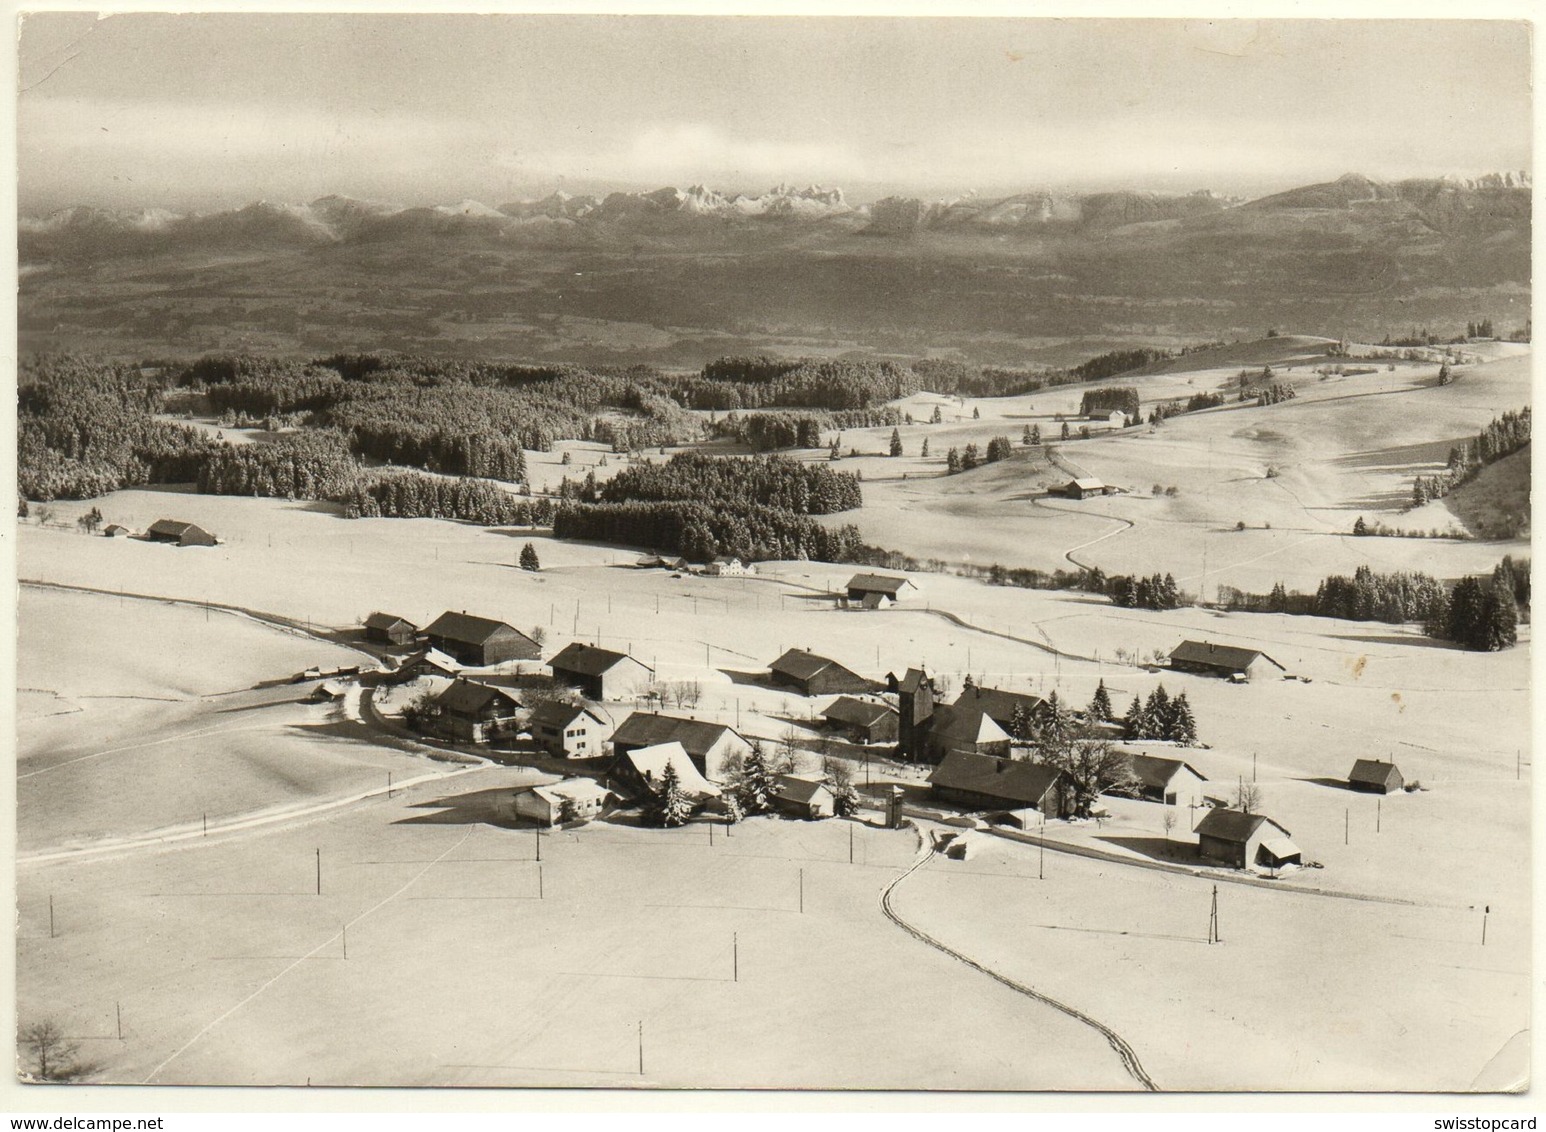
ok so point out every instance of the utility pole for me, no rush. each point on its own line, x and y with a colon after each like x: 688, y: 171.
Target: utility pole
x: 540, y: 894
x: 119, y: 1007
x: 1253, y: 766
x: 850, y: 843
x: 539, y: 842
x: 319, y: 872
x: 206, y: 825
x: 1486, y: 911
x: 1347, y: 820
x: 346, y: 940
x: 641, y: 1047
x: 1213, y: 919
x: 50, y: 915
x: 735, y: 957
x: 1378, y: 802
x: 802, y: 891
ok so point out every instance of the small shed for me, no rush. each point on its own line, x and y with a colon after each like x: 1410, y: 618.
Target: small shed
x: 389, y: 629
x: 116, y: 530
x: 1371, y: 776
x: 803, y: 797
x: 178, y: 533
x: 1243, y: 840
x: 573, y: 799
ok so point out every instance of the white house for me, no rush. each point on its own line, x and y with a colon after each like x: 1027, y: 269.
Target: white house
x: 546, y: 805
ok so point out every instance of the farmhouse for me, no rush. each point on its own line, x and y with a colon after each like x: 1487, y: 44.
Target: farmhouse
x: 963, y: 730
x: 659, y: 562
x: 1221, y: 660
x: 570, y: 799
x: 803, y: 797
x: 178, y: 534
x: 713, y: 747
x: 863, y: 721
x: 1375, y: 777
x: 1171, y: 781
x: 1083, y: 487
x: 571, y: 731
x: 983, y: 782
x: 1243, y: 840
x: 389, y: 629
x: 725, y: 566
x: 641, y: 771
x: 877, y: 589
x: 813, y: 675
x: 425, y: 662
x: 600, y: 674
x: 1001, y: 706
x: 475, y: 712
x: 479, y: 641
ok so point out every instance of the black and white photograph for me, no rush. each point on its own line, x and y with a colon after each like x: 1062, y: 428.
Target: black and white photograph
x: 870, y: 552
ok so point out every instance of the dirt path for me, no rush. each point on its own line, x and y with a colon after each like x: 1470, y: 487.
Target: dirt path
x: 1124, y: 1051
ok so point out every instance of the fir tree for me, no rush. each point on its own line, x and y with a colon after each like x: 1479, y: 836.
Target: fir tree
x: 1025, y: 437
x: 1501, y: 619
x: 896, y: 443
x: 1035, y: 434
x: 1183, y: 728
x: 976, y: 413
x: 1065, y: 430
x: 757, y: 784
x: 529, y: 558
x: 669, y: 806
x: 925, y: 450
x: 953, y: 461
x: 1132, y: 722
x: 938, y: 416
x: 1100, y: 705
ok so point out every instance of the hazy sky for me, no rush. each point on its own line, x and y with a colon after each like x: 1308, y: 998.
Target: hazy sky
x: 213, y: 110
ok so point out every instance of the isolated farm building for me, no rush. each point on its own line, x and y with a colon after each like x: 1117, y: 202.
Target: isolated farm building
x: 985, y: 782
x: 389, y: 629
x: 327, y: 692
x: 1221, y: 660
x: 1116, y: 418
x: 803, y: 797
x: 600, y: 674
x: 571, y: 731
x: 1244, y: 840
x: 1171, y: 781
x: 179, y: 534
x: 863, y: 721
x: 479, y: 641
x: 641, y: 771
x: 813, y: 675
x: 914, y: 691
x: 715, y: 748
x: 661, y: 562
x: 728, y: 566
x: 1375, y: 777
x: 1000, y: 705
x: 964, y: 730
x: 116, y: 530
x: 1083, y: 487
x: 475, y: 712
x: 882, y: 588
x: 571, y: 799
x: 425, y: 662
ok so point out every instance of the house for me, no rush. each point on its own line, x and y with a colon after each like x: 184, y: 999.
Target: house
x: 178, y: 534
x: 803, y: 797
x: 570, y: 799
x: 1375, y: 777
x: 863, y: 721
x: 425, y: 662
x: 661, y: 562
x: 1221, y: 660
x: 571, y: 731
x: 1170, y: 781
x: 984, y: 782
x: 963, y: 730
x: 883, y: 587
x: 327, y: 692
x: 389, y: 629
x: 914, y: 691
x: 600, y: 674
x: 479, y: 641
x: 475, y: 712
x: 726, y: 566
x: 116, y: 530
x: 1116, y: 418
x: 1083, y: 487
x: 1000, y: 705
x: 1244, y: 840
x: 813, y: 675
x: 641, y: 770
x: 715, y: 749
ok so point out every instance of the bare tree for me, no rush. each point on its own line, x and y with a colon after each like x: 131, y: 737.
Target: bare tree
x: 1168, y: 821
x: 53, y: 1055
x: 692, y: 692
x: 789, y: 751
x: 1092, y: 766
x: 1248, y: 797
x: 538, y: 635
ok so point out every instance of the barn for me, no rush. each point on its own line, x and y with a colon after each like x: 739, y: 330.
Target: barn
x: 178, y: 533
x: 600, y: 674
x: 389, y: 629
x: 1000, y: 705
x: 571, y: 731
x: 1083, y: 487
x: 641, y: 771
x: 963, y: 730
x: 863, y: 721
x: 985, y: 782
x: 1170, y: 781
x: 1244, y: 841
x: 479, y: 641
x: 1371, y: 776
x: 813, y: 675
x: 475, y: 712
x: 715, y: 749
x: 882, y: 588
x: 803, y: 797
x: 547, y: 805
x: 1211, y: 659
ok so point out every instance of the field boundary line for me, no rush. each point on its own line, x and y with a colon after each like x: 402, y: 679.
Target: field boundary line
x: 374, y: 907
x: 1124, y: 1051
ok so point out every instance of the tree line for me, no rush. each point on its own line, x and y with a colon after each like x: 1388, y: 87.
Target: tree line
x: 1503, y: 436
